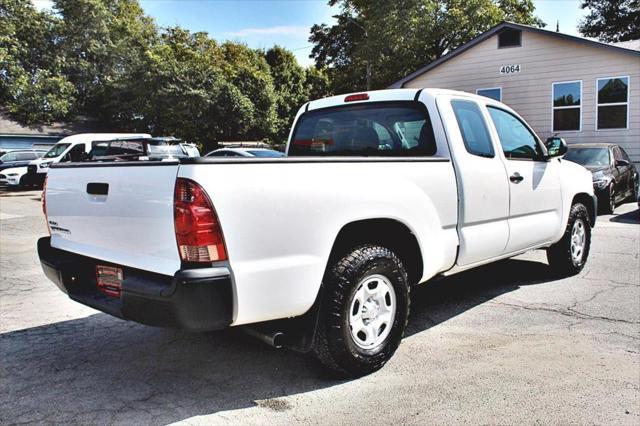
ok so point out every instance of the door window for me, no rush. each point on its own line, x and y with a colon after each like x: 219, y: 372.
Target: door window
x: 616, y: 154
x: 473, y: 128
x: 517, y: 141
x: 625, y: 156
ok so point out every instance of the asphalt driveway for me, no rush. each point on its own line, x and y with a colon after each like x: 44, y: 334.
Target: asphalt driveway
x: 507, y: 343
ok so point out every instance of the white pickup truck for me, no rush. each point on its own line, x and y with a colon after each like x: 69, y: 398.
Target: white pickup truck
x: 318, y: 251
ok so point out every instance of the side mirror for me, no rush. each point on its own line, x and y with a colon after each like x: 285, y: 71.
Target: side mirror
x: 556, y: 147
x: 622, y: 163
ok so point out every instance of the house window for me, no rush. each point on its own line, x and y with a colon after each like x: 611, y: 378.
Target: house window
x: 494, y: 93
x: 613, y: 103
x: 567, y: 114
x: 509, y: 38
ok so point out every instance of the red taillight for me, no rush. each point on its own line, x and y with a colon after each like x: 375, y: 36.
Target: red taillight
x: 44, y: 203
x: 357, y: 97
x: 198, y: 231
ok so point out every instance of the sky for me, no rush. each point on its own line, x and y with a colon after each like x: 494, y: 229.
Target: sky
x: 261, y: 24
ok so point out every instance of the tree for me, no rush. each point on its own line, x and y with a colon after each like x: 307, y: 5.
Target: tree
x: 107, y: 59
x: 611, y: 20
x: 396, y: 38
x: 290, y: 88
x: 316, y: 83
x: 100, y: 40
x: 189, y: 86
x: 32, y: 88
x: 248, y: 71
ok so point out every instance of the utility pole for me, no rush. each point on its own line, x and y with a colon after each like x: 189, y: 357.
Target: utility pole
x: 366, y: 36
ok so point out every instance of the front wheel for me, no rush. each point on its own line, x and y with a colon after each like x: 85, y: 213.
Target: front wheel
x: 610, y: 202
x: 569, y: 255
x: 635, y: 189
x: 364, y: 311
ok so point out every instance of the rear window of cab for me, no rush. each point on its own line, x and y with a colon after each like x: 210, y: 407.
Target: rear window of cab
x: 384, y: 129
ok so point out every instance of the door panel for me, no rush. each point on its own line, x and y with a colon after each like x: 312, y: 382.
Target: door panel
x: 535, y: 212
x: 623, y: 175
x: 535, y: 199
x: 482, y: 182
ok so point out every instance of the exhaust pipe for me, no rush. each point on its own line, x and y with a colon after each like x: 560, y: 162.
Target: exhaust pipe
x: 270, y: 337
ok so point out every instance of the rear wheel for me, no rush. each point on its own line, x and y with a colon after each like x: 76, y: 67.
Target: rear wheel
x: 363, y: 312
x: 569, y: 255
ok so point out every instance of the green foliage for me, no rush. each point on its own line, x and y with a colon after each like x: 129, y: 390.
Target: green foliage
x: 106, y: 59
x: 317, y: 83
x: 398, y: 37
x: 32, y: 88
x: 100, y: 41
x: 189, y: 86
x: 611, y: 20
x: 39, y: 97
x: 290, y: 88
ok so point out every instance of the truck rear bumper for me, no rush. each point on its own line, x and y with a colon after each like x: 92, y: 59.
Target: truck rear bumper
x: 191, y: 299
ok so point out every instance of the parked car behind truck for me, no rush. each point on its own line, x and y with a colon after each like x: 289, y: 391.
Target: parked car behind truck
x: 615, y: 178
x: 318, y: 251
x: 19, y: 158
x: 13, y: 178
x: 69, y: 149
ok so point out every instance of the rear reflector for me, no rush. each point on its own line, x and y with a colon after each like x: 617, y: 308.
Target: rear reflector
x: 198, y: 231
x: 357, y: 97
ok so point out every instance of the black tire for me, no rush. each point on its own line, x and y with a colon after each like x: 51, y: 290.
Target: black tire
x: 560, y: 255
x: 609, y: 204
x: 634, y: 191
x: 334, y: 345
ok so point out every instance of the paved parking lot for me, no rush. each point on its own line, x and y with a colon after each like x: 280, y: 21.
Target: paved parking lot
x: 507, y: 343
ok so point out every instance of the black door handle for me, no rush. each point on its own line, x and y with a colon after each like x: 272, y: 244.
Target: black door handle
x: 516, y: 178
x: 95, y: 188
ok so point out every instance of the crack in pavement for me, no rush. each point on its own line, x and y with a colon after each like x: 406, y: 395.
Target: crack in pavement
x: 569, y: 312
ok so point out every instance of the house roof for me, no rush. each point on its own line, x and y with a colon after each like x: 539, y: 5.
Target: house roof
x: 630, y: 44
x: 624, y: 47
x: 8, y: 127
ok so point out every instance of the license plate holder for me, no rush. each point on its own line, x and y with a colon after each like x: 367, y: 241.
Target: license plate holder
x: 109, y: 280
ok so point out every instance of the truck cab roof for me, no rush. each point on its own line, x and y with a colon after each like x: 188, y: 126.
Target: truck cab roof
x: 386, y: 95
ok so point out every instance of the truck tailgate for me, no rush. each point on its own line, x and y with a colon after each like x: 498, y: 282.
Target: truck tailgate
x: 121, y: 213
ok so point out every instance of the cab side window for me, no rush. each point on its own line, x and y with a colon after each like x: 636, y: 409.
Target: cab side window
x: 516, y: 139
x: 75, y: 153
x: 473, y: 128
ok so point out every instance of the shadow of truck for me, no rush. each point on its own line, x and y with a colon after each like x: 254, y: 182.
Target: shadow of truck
x: 99, y: 369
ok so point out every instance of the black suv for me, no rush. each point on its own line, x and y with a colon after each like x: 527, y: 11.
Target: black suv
x: 615, y: 178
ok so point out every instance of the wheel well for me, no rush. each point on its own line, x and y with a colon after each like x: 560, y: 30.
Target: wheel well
x: 389, y: 233
x: 589, y: 203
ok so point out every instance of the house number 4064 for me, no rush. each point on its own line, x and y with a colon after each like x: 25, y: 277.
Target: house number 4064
x: 510, y: 69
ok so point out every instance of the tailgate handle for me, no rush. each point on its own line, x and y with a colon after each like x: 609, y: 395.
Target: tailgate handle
x: 95, y: 188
